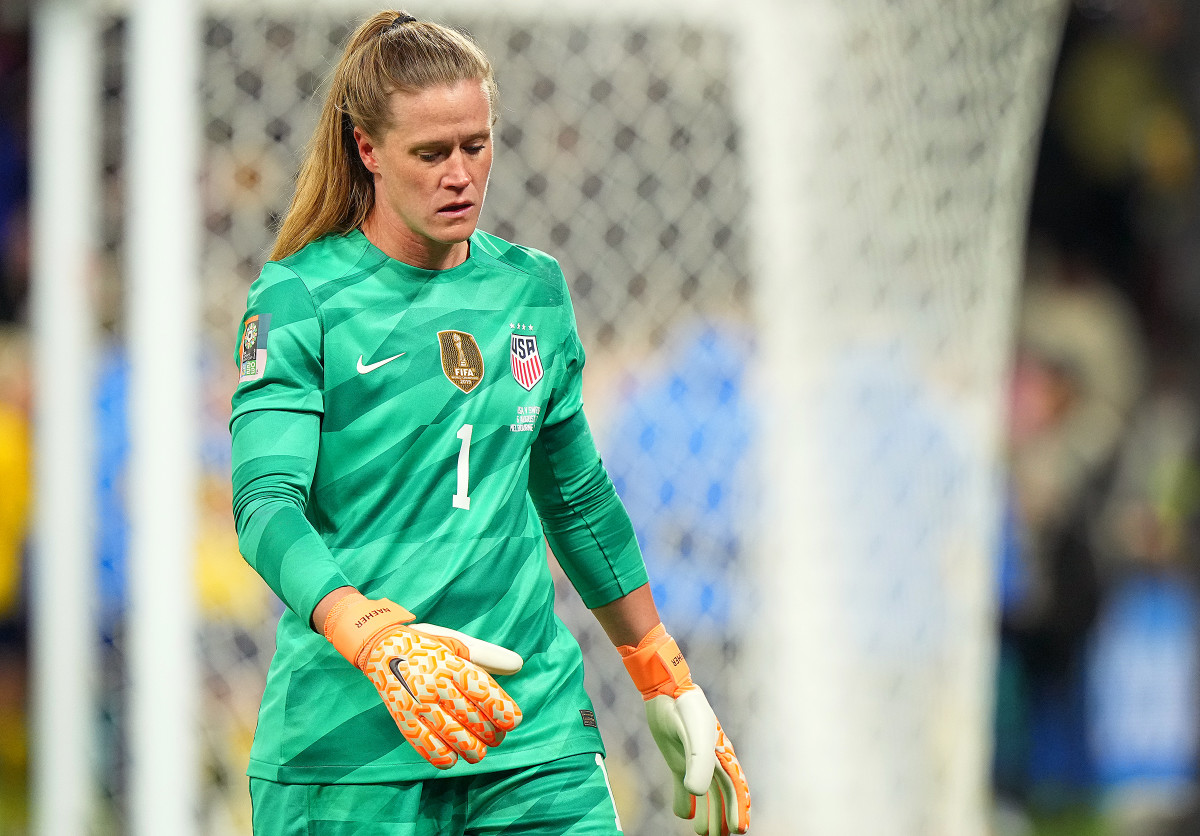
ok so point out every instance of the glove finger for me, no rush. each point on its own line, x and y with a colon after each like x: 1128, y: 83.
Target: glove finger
x: 683, y: 803
x: 699, y: 734
x: 716, y: 818
x: 494, y: 703
x: 467, y: 712
x: 445, y: 728
x: 671, y: 734
x: 428, y: 745
x: 490, y: 657
x: 724, y: 788
x: 731, y: 780
x: 701, y: 819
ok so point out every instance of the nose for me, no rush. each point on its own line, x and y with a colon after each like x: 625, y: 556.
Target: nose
x: 456, y: 175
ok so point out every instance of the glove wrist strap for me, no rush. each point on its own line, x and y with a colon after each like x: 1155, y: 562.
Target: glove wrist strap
x: 656, y: 665
x: 356, y: 622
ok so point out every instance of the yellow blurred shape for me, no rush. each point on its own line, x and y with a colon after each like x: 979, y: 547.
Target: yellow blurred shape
x: 14, y: 501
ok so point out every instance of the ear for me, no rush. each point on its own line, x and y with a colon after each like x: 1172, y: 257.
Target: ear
x: 366, y: 150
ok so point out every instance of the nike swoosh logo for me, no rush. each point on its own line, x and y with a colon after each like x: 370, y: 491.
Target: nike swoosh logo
x: 394, y: 664
x: 364, y: 369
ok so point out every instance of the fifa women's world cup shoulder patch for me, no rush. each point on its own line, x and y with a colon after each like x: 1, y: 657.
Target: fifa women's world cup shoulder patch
x: 254, y: 347
x: 526, y: 362
x: 462, y: 361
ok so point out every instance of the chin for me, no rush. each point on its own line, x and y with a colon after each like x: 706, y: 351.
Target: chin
x: 458, y: 233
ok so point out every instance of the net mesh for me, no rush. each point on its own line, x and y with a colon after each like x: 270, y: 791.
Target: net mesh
x: 621, y: 150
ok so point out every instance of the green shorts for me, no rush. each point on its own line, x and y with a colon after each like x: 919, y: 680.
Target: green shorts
x: 566, y: 797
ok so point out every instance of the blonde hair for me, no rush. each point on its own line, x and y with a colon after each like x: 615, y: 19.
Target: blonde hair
x: 391, y: 52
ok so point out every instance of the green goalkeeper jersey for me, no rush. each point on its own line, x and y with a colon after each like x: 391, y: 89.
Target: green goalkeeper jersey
x: 419, y: 435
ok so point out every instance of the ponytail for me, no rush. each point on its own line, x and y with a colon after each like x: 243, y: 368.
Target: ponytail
x: 390, y: 52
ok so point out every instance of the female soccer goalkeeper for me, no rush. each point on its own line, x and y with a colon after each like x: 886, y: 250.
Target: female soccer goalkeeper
x: 407, y: 428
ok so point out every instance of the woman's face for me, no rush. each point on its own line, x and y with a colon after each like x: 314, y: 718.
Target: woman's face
x: 431, y: 171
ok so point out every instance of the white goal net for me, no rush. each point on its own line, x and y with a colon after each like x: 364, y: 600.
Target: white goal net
x: 793, y: 236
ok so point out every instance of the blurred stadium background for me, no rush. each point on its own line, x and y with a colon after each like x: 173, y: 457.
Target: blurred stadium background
x: 891, y: 312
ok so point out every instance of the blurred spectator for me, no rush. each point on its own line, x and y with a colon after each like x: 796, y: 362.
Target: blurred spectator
x: 1076, y: 380
x: 1100, y: 638
x: 1077, y: 377
x: 1097, y: 684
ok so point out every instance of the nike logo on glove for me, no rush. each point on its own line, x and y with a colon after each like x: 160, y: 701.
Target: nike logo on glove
x: 394, y: 664
x: 364, y: 369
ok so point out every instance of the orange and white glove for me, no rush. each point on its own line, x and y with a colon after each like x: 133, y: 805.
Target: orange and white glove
x: 434, y: 681
x: 710, y: 787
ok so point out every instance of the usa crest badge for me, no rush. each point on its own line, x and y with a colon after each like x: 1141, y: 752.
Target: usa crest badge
x: 461, y: 359
x: 253, y: 347
x: 526, y: 362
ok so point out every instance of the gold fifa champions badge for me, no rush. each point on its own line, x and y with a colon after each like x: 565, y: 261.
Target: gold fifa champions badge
x: 461, y: 359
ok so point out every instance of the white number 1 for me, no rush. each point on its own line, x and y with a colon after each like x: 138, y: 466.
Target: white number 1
x: 460, y: 498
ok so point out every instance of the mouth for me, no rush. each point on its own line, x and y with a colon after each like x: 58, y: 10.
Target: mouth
x: 456, y: 210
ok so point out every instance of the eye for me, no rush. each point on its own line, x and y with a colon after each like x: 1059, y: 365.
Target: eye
x: 475, y: 149
x: 428, y: 156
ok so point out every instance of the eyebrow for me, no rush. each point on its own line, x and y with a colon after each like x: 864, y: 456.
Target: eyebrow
x: 434, y: 143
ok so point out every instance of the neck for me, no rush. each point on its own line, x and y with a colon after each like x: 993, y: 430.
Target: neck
x: 423, y: 253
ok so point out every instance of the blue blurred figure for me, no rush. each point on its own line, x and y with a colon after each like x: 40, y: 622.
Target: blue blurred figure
x: 678, y: 455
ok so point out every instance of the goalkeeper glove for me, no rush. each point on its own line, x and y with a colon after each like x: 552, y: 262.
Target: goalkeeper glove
x: 434, y: 681
x: 701, y: 759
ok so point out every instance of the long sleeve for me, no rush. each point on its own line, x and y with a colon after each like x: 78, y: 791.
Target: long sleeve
x: 274, y: 454
x: 585, y: 521
x: 276, y: 429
